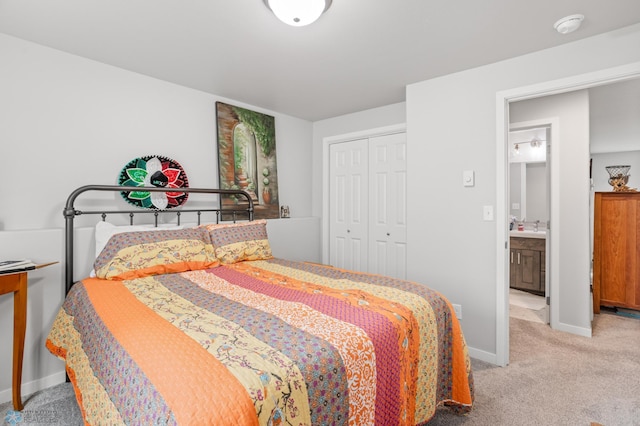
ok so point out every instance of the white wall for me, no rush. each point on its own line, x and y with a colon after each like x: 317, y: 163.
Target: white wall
x: 602, y: 160
x: 614, y: 120
x: 615, y: 117
x: 67, y: 121
x: 451, y: 127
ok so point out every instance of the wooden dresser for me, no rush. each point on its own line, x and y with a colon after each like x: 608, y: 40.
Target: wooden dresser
x: 616, y: 250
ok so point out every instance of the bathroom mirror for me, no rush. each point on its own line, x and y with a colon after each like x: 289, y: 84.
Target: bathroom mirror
x: 528, y: 194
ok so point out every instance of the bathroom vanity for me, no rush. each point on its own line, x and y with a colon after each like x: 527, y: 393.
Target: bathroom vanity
x: 527, y: 261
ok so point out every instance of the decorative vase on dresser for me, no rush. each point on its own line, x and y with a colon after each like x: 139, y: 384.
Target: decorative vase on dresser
x: 616, y: 250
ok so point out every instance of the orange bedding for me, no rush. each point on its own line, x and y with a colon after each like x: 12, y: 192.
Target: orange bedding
x: 262, y: 342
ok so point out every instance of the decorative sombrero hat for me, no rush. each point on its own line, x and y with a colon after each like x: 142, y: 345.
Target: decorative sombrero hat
x: 158, y: 171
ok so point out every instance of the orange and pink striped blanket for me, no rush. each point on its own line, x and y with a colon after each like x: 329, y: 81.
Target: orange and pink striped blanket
x: 264, y: 342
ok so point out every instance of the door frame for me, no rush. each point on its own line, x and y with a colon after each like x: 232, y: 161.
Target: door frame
x: 503, y: 98
x: 326, y: 142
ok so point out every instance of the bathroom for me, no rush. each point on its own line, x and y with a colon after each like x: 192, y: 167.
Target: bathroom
x: 529, y: 213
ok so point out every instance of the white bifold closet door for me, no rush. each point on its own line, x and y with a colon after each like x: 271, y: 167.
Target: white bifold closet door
x: 387, y: 205
x: 348, y: 209
x: 367, y: 212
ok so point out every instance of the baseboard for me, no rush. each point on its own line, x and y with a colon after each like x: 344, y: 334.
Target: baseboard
x: 493, y: 359
x: 483, y: 355
x: 34, y: 386
x: 580, y: 331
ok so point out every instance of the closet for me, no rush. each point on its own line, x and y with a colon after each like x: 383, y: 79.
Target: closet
x: 367, y: 205
x: 616, y: 250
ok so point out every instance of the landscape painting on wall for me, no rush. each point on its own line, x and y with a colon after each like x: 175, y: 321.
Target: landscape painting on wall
x: 247, y: 158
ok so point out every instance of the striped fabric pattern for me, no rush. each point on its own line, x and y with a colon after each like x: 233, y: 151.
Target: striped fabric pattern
x: 262, y: 342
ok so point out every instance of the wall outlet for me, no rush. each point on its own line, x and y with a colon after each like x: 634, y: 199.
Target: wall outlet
x: 458, y: 310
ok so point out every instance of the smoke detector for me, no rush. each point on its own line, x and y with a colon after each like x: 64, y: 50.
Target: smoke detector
x: 568, y: 24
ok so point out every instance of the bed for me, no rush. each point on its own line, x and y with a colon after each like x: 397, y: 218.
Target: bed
x: 202, y: 325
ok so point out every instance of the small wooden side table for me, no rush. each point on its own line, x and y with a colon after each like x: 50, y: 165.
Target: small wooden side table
x: 16, y: 282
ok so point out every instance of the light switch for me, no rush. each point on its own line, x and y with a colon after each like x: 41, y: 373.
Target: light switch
x: 468, y: 178
x: 487, y: 213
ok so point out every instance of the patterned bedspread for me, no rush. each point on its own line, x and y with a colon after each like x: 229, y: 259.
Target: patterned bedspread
x: 264, y: 342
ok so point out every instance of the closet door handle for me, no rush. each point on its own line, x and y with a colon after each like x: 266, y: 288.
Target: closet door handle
x: 512, y: 257
x: 518, y: 258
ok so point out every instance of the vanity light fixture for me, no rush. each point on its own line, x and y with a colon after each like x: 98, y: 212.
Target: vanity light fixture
x: 568, y: 24
x: 534, y: 143
x: 298, y: 13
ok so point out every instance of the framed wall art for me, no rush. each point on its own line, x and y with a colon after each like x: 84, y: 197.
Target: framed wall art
x: 247, y: 158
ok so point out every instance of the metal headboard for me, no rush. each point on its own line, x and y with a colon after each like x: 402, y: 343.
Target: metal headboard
x: 243, y: 211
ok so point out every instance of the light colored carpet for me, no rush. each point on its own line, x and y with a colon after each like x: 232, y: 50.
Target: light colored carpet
x: 53, y: 406
x: 554, y: 378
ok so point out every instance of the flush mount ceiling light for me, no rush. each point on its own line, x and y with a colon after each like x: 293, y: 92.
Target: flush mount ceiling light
x: 298, y: 13
x: 568, y: 24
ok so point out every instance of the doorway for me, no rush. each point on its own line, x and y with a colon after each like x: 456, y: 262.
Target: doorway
x: 580, y: 305
x: 529, y: 207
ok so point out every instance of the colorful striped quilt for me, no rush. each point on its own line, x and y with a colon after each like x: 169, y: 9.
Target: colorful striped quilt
x: 264, y: 342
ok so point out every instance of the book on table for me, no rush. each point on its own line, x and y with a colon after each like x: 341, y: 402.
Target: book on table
x: 7, y: 266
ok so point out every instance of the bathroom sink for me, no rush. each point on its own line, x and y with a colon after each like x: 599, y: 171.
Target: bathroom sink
x: 528, y: 233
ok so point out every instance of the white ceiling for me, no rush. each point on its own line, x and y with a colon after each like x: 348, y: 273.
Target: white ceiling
x: 359, y: 55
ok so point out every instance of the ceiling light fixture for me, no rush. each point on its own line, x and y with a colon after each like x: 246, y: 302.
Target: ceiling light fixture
x: 568, y: 24
x: 298, y: 13
x: 533, y: 143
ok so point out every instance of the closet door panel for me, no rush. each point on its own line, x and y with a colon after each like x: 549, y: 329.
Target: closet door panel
x: 348, y: 209
x: 387, y: 195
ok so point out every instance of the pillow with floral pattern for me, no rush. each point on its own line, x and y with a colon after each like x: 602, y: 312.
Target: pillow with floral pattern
x: 139, y: 254
x: 236, y: 242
